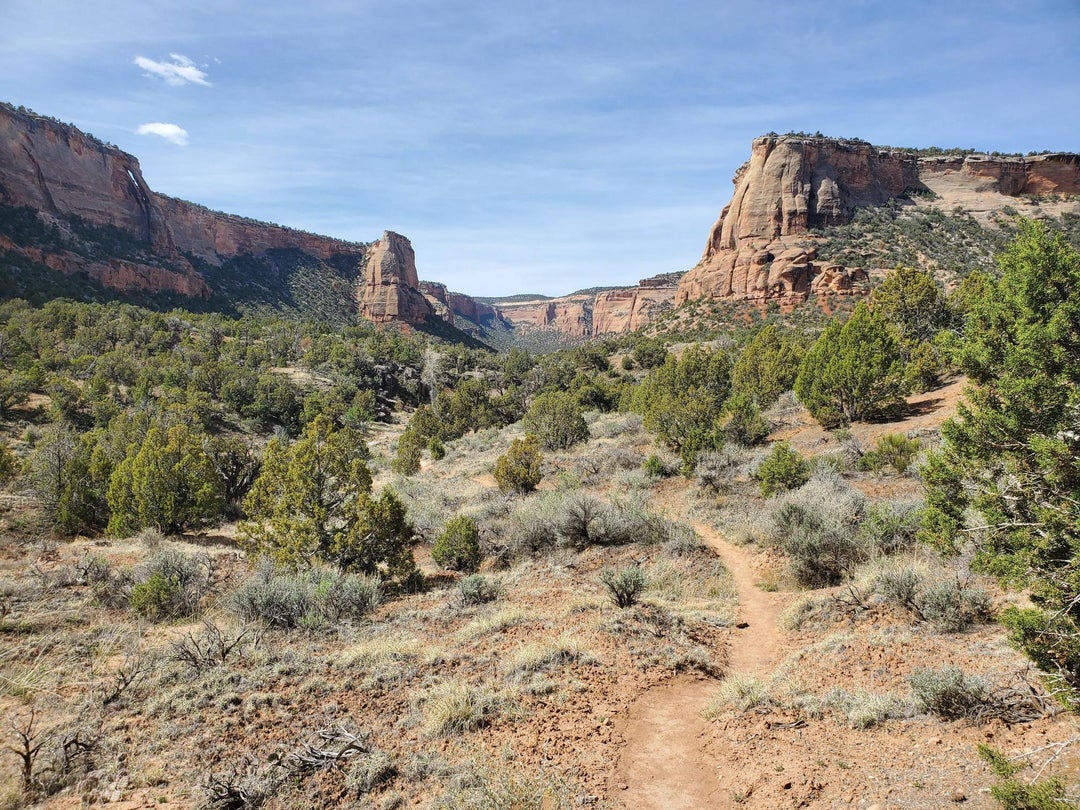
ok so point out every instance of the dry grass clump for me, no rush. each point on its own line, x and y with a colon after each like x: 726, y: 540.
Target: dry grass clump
x: 498, y: 786
x: 658, y: 637
x: 385, y: 659
x: 739, y: 692
x: 456, y: 707
x: 564, y: 649
x: 496, y: 623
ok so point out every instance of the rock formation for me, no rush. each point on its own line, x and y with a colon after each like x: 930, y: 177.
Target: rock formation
x: 590, y: 314
x: 64, y: 174
x: 761, y: 249
x: 391, y: 289
x: 452, y: 306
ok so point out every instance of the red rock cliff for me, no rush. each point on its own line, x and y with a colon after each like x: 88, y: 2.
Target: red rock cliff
x: 588, y: 314
x: 759, y: 249
x: 63, y: 173
x: 391, y: 290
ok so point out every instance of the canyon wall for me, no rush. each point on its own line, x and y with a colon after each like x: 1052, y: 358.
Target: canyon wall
x: 65, y: 174
x: 761, y: 247
x: 590, y: 314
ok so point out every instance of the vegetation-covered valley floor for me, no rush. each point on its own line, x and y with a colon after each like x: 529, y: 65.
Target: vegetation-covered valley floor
x: 707, y: 692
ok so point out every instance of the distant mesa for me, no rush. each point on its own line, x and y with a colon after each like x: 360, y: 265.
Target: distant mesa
x: 761, y: 248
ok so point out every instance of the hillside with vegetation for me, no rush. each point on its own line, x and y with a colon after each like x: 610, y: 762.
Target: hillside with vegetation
x: 255, y: 561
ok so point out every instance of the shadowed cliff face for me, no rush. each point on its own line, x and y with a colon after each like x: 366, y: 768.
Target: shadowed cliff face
x: 760, y: 248
x: 67, y: 176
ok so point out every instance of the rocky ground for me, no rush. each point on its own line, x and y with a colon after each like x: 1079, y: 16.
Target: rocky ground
x: 707, y: 693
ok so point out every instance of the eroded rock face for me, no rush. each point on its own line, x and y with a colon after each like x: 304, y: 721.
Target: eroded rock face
x: 391, y: 290
x: 585, y: 315
x: 760, y: 247
x: 62, y: 173
x: 617, y: 311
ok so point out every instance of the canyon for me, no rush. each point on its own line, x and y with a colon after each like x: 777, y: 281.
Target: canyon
x: 94, y: 216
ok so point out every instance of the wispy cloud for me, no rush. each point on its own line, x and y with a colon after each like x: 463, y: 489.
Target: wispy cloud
x: 179, y: 71
x: 170, y: 132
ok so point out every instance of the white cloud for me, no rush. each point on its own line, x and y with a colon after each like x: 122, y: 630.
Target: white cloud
x: 179, y: 71
x: 170, y: 132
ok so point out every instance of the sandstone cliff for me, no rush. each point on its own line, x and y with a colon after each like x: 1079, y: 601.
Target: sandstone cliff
x: 453, y: 306
x: 761, y: 247
x: 67, y: 176
x: 590, y: 314
x: 391, y: 289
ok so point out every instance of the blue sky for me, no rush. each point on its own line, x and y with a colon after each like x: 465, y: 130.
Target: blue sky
x: 528, y: 146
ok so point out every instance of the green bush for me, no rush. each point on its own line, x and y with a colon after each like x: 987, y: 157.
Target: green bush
x: 312, y: 599
x: 170, y: 585
x: 781, y: 470
x: 853, y: 371
x: 555, y: 419
x: 477, y: 590
x: 9, y: 463
x: 155, y: 598
x: 436, y: 449
x: 1012, y: 794
x: 458, y: 547
x: 407, y: 459
x: 893, y: 449
x: 518, y: 469
x: 947, y: 692
x: 655, y: 466
x: 625, y: 585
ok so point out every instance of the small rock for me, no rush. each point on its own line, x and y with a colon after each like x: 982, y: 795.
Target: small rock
x: 958, y: 796
x: 742, y: 625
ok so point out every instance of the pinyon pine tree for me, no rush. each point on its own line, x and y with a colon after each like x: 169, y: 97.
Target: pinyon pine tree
x: 1012, y: 453
x: 853, y: 370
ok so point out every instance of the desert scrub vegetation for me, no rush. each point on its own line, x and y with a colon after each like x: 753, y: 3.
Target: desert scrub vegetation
x: 817, y: 527
x: 576, y: 519
x: 624, y: 585
x: 312, y: 599
x: 740, y: 692
x: 458, y: 547
x: 500, y: 786
x: 168, y: 585
x: 545, y: 655
x: 476, y: 589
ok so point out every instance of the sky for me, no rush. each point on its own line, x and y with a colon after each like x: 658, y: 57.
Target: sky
x: 528, y: 147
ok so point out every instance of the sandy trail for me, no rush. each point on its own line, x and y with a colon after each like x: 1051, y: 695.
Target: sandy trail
x: 759, y: 647
x: 667, y: 761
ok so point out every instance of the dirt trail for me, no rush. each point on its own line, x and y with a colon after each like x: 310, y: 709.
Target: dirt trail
x: 667, y: 760
x: 759, y: 646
